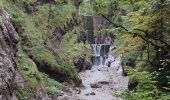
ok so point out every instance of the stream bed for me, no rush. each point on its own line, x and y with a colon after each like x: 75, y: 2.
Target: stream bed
x: 99, y: 83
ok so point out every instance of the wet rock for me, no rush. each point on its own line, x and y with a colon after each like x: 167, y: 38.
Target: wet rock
x: 78, y: 91
x: 79, y: 64
x: 82, y: 64
x: 87, y: 65
x: 87, y: 94
x: 92, y: 93
x: 99, y: 84
x: 95, y: 85
x: 104, y: 82
x: 109, y: 63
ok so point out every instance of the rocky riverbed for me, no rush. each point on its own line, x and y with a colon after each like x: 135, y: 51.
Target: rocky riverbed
x: 99, y: 83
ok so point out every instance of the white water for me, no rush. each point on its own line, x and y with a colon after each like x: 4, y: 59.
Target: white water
x: 99, y: 54
x: 96, y: 49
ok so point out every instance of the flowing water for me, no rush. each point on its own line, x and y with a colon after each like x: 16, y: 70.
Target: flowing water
x: 100, y: 54
x: 101, y: 81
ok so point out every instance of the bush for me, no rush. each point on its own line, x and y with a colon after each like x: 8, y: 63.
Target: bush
x: 146, y: 89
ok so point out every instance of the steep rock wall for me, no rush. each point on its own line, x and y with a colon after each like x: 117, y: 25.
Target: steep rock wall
x: 11, y: 78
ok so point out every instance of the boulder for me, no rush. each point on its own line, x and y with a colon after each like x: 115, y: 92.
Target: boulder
x: 82, y: 64
x: 95, y: 85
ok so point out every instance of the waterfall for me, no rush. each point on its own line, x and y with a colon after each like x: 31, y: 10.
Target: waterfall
x: 96, y: 49
x: 100, y: 54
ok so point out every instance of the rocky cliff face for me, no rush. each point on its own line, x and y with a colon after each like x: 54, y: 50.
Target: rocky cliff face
x: 11, y: 79
x: 9, y: 73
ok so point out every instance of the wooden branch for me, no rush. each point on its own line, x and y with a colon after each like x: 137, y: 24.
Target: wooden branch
x: 162, y: 42
x: 142, y: 37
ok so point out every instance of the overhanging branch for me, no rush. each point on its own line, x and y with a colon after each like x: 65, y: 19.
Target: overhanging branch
x: 142, y: 37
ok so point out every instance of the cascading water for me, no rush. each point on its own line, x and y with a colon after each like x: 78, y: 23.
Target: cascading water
x: 100, y: 51
x: 96, y: 49
x: 100, y: 54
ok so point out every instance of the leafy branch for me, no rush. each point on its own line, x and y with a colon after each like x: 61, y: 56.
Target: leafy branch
x: 139, y: 35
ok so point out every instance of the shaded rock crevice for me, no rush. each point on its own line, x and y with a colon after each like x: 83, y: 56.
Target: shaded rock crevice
x: 53, y: 73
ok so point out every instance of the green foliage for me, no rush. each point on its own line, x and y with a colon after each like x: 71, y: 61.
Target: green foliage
x: 36, y: 79
x: 53, y: 87
x: 68, y: 69
x: 87, y: 7
x: 35, y: 32
x: 29, y: 69
x: 44, y: 56
x: 146, y: 89
x: 71, y: 49
x: 128, y: 45
x: 34, y: 29
x: 94, y: 7
x: 30, y: 74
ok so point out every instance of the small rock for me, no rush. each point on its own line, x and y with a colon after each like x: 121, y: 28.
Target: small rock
x: 64, y: 97
x: 61, y: 94
x: 95, y: 85
x: 87, y: 94
x: 78, y: 91
x: 92, y: 93
x: 104, y: 82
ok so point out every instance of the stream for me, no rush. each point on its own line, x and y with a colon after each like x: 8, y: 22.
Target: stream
x: 99, y: 83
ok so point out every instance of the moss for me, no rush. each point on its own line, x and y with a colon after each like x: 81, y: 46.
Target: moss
x: 53, y: 87
x: 30, y: 71
x: 30, y: 74
x: 35, y: 78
